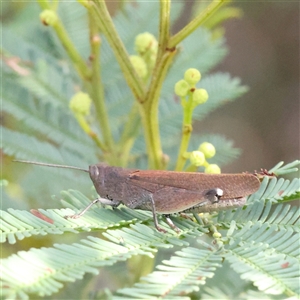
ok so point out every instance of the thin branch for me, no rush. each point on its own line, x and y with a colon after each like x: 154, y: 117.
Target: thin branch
x: 164, y: 26
x: 150, y: 108
x: 195, y: 23
x: 71, y: 50
x: 105, y: 24
x: 96, y: 85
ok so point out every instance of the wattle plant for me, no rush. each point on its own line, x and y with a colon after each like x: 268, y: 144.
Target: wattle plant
x: 81, y: 87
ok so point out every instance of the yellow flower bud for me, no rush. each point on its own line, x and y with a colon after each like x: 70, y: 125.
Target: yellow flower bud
x: 200, y: 96
x: 208, y: 149
x: 197, y: 158
x: 217, y: 235
x: 181, y: 88
x: 192, y: 76
x: 145, y: 42
x: 48, y: 17
x: 139, y: 65
x: 80, y: 103
x: 212, y: 169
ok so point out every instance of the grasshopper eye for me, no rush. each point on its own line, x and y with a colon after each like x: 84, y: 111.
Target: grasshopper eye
x: 97, y: 175
x: 94, y: 171
x: 214, y: 195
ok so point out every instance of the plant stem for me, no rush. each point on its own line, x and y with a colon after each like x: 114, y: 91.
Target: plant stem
x: 96, y: 86
x: 191, y: 168
x: 91, y: 78
x: 105, y: 24
x: 87, y: 129
x: 44, y: 4
x: 72, y: 52
x: 195, y: 23
x: 186, y: 134
x: 131, y: 129
x: 164, y: 26
x: 150, y: 111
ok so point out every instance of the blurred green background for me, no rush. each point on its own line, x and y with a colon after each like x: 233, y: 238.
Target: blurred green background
x: 264, y: 53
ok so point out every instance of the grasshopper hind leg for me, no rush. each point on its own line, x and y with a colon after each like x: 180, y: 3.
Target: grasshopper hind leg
x: 167, y: 217
x: 153, y: 209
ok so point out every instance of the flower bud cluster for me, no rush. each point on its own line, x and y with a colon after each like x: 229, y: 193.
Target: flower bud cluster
x: 198, y: 158
x: 146, y: 47
x: 186, y: 89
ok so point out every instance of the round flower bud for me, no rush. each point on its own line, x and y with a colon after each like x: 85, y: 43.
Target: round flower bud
x: 217, y: 235
x: 212, y: 169
x: 200, y: 96
x: 208, y: 149
x: 80, y: 103
x: 192, y: 76
x: 181, y: 88
x: 197, y: 158
x: 48, y: 17
x: 139, y: 65
x: 144, y: 42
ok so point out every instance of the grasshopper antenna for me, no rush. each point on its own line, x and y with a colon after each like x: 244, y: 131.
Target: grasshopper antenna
x: 50, y: 165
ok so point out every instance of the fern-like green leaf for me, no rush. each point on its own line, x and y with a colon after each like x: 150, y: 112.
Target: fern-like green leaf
x: 47, y: 78
x: 17, y: 224
x: 253, y: 234
x: 50, y: 121
x: 281, y: 169
x: 271, y: 267
x: 284, y: 216
x: 277, y: 190
x: 29, y: 148
x: 42, y: 271
x: 177, y: 277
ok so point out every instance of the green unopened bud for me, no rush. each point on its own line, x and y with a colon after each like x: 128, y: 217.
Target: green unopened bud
x: 145, y: 42
x: 48, y: 17
x: 212, y: 169
x: 181, y: 88
x: 192, y: 76
x: 208, y: 149
x: 139, y: 65
x: 80, y: 103
x: 200, y: 96
x: 197, y: 158
x: 217, y: 235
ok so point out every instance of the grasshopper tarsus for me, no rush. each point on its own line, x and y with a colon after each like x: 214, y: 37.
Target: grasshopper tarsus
x: 160, y: 229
